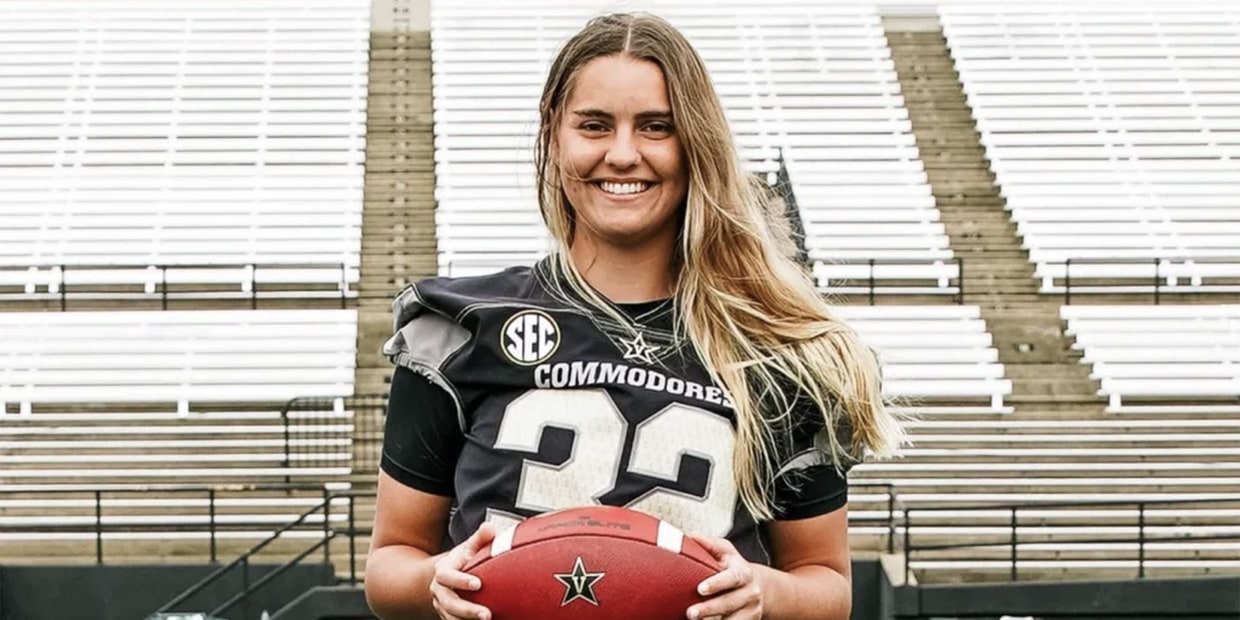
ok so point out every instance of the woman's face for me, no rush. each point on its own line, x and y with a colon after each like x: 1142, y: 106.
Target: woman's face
x: 624, y: 172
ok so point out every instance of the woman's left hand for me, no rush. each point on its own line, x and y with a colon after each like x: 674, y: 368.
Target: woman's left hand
x: 733, y: 593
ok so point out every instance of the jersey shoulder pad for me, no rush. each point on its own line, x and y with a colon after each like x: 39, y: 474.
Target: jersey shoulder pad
x: 426, y: 316
x: 454, y: 296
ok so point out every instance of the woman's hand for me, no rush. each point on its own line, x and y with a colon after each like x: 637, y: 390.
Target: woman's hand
x: 449, y: 579
x: 734, y: 593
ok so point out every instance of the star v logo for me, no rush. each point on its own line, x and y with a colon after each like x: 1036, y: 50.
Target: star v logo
x: 637, y: 350
x: 579, y: 584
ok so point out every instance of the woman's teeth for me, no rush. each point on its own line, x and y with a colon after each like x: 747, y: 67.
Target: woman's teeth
x: 624, y: 188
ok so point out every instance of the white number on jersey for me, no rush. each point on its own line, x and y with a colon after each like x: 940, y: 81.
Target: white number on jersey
x: 659, y: 445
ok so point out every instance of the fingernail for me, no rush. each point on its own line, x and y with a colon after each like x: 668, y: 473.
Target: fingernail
x: 703, y: 589
x: 475, y: 584
x: 693, y: 614
x: 482, y: 615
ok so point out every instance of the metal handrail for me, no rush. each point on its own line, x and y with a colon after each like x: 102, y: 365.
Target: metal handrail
x: 893, y: 502
x: 288, y: 565
x: 244, y: 559
x: 1014, y: 543
x: 872, y: 285
x: 98, y: 528
x: 357, y: 403
x: 1158, y: 264
x: 894, y: 505
x: 161, y: 284
x: 1117, y: 502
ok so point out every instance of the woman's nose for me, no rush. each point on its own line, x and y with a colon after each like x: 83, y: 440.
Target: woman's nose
x: 623, y: 153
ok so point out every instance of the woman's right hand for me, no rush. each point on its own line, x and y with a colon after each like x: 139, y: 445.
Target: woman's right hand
x: 449, y: 578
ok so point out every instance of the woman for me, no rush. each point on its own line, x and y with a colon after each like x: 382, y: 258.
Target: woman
x: 670, y: 357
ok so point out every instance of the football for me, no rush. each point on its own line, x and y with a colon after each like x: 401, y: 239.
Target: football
x: 593, y: 563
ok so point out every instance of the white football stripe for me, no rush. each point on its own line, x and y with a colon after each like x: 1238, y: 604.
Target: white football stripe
x: 503, y: 541
x: 670, y: 537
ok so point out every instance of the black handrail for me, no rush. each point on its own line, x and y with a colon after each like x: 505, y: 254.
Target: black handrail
x: 1014, y: 542
x: 873, y: 286
x: 894, y: 504
x: 164, y: 292
x: 960, y: 284
x: 329, y: 534
x: 324, y: 542
x: 248, y: 588
x: 1104, y: 502
x: 98, y: 529
x: 1157, y: 284
x: 166, y: 488
x: 243, y: 559
x: 364, y: 408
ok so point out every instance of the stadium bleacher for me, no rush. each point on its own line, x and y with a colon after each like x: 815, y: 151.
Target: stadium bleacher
x: 265, y: 356
x: 934, y: 353
x: 1113, y: 133
x: 1167, y: 353
x: 196, y: 133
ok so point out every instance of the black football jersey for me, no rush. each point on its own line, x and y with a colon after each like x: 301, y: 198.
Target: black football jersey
x: 559, y: 406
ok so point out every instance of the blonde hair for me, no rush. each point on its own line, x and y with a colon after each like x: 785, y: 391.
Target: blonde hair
x: 753, y: 314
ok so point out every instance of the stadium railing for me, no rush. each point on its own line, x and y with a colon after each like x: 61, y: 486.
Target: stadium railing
x: 1155, y: 276
x: 183, y: 281
x: 872, y: 278
x: 1151, y: 528
x: 211, y: 523
x: 353, y: 531
x: 308, y: 442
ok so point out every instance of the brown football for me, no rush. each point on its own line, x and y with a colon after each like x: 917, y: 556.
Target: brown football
x: 592, y: 563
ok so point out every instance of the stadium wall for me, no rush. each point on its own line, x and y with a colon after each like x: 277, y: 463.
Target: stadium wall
x: 133, y: 592
x: 1212, y: 598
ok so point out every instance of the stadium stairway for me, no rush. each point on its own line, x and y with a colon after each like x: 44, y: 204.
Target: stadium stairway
x: 998, y: 276
x: 398, y: 225
x: 1058, y: 445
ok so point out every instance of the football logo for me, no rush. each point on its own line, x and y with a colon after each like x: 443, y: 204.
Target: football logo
x: 529, y: 337
x: 579, y: 584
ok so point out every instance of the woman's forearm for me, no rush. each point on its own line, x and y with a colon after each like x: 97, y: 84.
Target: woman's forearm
x: 398, y: 579
x: 803, y: 593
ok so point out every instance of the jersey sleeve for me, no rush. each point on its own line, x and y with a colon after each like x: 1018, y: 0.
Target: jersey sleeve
x: 425, y: 427
x: 421, y: 438
x: 808, y: 483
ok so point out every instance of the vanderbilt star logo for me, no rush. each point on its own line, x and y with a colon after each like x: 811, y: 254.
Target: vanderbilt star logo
x: 637, y: 350
x: 579, y: 584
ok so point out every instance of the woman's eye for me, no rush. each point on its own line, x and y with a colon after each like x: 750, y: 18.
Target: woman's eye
x: 593, y: 126
x: 659, y: 128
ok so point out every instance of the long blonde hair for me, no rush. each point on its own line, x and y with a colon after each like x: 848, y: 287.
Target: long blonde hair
x: 752, y: 313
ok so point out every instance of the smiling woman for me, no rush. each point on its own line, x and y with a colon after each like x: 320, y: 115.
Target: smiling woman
x: 625, y: 174
x: 670, y: 357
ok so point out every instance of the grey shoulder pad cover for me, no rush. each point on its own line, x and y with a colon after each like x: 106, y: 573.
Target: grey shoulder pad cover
x: 423, y: 341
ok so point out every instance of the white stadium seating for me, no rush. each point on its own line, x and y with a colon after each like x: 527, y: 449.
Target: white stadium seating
x: 175, y: 357
x: 933, y: 353
x: 139, y: 134
x: 1183, y: 354
x: 811, y: 80
x: 1112, y: 130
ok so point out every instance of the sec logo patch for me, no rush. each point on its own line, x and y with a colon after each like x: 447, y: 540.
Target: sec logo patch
x: 529, y: 337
